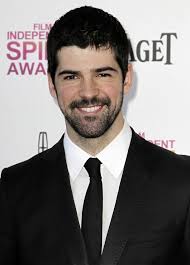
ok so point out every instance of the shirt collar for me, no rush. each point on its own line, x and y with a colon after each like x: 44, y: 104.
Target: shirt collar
x: 113, y: 156
x: 75, y: 157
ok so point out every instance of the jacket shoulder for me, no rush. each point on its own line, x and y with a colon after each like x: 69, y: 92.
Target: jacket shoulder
x: 160, y: 161
x: 155, y: 150
x: 35, y: 165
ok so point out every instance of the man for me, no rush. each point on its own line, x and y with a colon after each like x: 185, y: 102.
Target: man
x: 52, y: 208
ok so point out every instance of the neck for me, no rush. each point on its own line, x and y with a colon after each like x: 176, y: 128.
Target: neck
x: 93, y: 146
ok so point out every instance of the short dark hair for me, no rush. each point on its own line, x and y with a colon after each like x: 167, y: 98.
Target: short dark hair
x: 87, y: 26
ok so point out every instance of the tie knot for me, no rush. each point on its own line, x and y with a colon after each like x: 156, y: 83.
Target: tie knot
x: 92, y: 166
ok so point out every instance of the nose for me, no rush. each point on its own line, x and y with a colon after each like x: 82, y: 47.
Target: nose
x: 88, y: 88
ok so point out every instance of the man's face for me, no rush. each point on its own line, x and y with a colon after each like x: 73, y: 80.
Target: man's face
x: 89, y: 89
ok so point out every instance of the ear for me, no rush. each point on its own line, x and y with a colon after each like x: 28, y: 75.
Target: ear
x: 52, y: 89
x: 128, y: 78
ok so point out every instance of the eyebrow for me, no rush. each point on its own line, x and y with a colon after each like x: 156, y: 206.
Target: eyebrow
x: 97, y: 70
x: 68, y: 72
x: 106, y: 68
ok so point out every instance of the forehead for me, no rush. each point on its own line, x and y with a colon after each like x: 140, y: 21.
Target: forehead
x: 74, y: 57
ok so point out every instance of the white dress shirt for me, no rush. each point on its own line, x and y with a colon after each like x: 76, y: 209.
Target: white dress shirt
x: 113, y: 158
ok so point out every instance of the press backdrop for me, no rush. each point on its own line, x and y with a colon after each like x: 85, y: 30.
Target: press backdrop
x: 158, y: 105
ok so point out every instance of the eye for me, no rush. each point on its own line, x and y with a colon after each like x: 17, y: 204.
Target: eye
x: 104, y: 74
x: 70, y: 77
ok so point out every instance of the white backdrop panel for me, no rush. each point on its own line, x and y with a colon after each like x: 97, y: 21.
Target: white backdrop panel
x: 158, y: 104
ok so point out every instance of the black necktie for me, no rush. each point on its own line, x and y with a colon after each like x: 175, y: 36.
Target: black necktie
x: 92, y: 212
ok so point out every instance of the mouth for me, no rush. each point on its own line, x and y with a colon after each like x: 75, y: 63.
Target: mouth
x: 91, y: 109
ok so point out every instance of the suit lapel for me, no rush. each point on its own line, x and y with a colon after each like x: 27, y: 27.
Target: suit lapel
x: 70, y: 225
x: 123, y: 223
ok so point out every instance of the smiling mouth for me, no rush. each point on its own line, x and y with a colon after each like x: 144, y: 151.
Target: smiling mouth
x: 91, y: 109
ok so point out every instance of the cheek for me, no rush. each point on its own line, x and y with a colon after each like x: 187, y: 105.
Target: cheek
x: 113, y: 92
x: 65, y: 94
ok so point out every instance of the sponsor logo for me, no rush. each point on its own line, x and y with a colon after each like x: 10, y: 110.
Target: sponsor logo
x: 42, y: 142
x: 26, y: 50
x: 154, y: 50
x: 168, y: 144
x: 27, y: 55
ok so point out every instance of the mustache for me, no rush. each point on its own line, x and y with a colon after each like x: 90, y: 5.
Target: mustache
x: 83, y: 103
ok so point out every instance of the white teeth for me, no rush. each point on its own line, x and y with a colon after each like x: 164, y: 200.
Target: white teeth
x: 91, y: 109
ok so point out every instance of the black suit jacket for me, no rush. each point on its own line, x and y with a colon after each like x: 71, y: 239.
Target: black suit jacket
x: 150, y: 223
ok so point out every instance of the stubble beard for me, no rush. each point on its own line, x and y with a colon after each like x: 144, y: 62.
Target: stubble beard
x: 92, y: 126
